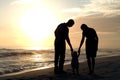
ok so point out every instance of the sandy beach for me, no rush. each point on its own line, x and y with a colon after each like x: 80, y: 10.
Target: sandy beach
x: 107, y: 68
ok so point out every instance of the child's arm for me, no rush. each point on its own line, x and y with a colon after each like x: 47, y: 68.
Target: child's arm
x: 78, y: 54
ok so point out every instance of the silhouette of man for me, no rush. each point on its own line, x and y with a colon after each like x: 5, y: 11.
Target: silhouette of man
x: 61, y: 34
x: 91, y: 45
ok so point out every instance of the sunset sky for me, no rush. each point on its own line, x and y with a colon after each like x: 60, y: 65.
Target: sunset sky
x: 30, y: 24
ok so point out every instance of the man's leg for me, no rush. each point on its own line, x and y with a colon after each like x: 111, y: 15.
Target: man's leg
x: 56, y: 58
x: 62, y: 57
x: 61, y: 62
x: 56, y: 62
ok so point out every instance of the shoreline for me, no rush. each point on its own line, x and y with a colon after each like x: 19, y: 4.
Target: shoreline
x: 46, y: 67
x: 108, y: 67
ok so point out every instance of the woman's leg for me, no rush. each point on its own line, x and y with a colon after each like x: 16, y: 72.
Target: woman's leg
x: 93, y: 64
x: 89, y: 64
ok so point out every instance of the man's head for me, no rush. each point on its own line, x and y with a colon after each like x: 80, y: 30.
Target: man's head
x: 70, y: 23
x: 84, y: 27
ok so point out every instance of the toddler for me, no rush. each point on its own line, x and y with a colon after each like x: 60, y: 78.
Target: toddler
x: 75, y: 62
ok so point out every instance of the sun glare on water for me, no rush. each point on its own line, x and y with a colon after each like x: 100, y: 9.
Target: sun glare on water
x: 38, y: 24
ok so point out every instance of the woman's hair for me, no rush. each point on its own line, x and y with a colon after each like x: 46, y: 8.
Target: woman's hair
x: 84, y: 26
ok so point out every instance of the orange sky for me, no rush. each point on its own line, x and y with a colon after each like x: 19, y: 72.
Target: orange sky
x: 30, y: 24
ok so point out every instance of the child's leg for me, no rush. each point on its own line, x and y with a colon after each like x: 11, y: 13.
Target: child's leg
x: 73, y: 70
x: 77, y: 70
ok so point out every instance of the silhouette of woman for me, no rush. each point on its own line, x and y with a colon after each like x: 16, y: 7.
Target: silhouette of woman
x: 91, y: 45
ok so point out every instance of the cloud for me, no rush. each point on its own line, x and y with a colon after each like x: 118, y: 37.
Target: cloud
x: 106, y: 33
x: 16, y: 2
x: 72, y: 10
x: 108, y: 8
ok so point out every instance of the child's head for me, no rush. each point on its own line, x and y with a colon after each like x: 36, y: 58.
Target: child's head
x: 74, y: 54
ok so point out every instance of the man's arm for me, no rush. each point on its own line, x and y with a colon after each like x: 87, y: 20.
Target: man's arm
x: 69, y: 43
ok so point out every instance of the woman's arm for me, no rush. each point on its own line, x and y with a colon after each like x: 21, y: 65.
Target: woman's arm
x: 81, y: 43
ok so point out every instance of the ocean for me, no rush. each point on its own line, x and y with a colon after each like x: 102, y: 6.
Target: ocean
x: 18, y: 60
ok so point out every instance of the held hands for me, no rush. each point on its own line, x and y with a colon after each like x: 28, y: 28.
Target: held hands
x: 71, y: 50
x: 79, y: 50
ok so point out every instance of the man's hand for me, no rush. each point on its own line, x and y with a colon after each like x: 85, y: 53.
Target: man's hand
x: 71, y: 49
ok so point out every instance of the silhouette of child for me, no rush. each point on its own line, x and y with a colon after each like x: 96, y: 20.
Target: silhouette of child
x: 75, y: 62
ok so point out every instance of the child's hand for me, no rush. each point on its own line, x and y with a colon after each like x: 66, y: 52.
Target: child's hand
x: 72, y: 50
x: 71, y: 53
x: 79, y: 51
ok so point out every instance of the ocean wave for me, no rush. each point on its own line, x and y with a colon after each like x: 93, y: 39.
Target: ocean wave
x: 8, y: 54
x: 17, y: 52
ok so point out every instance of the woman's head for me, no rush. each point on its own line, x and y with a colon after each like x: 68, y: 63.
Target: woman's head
x: 84, y: 27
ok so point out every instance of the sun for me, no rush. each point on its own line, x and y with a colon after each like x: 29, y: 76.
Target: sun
x: 38, y: 24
